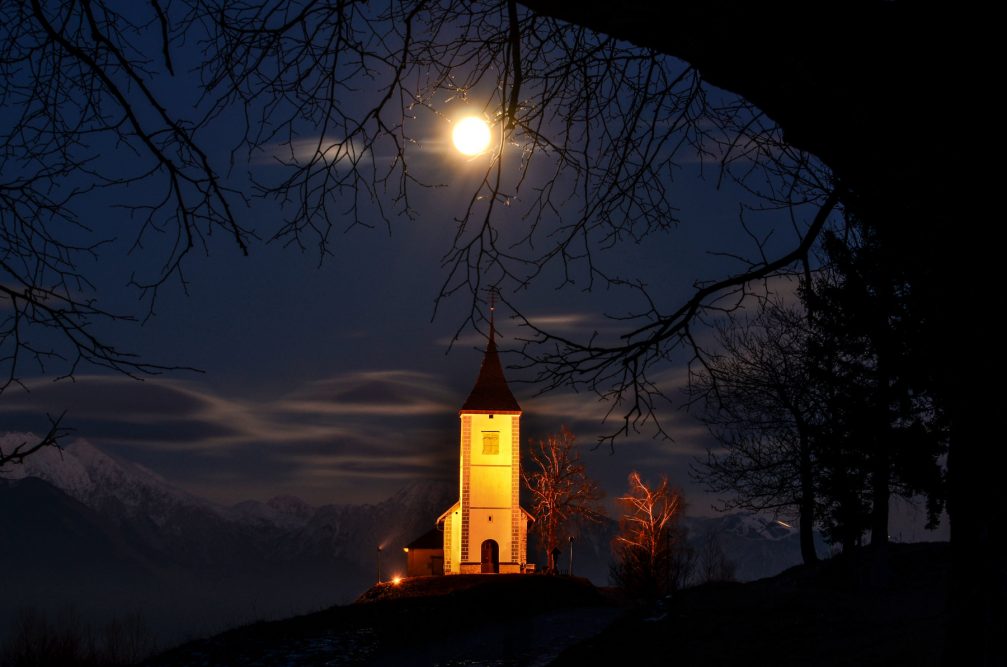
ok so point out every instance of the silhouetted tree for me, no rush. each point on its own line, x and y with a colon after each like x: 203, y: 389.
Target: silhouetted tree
x: 561, y: 492
x: 843, y: 487
x: 35, y: 638
x: 759, y: 400
x: 884, y: 431
x: 714, y: 566
x: 683, y: 561
x: 800, y: 409
x: 647, y: 538
x: 288, y: 65
x: 79, y: 86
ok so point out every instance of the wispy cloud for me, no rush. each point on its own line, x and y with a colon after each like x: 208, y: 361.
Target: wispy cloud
x: 564, y: 321
x: 579, y: 325
x: 322, y: 439
x: 350, y: 437
x: 393, y: 393
x: 161, y: 413
x: 333, y: 151
x: 464, y: 341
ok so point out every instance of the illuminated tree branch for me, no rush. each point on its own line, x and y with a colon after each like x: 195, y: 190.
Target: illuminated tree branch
x: 561, y: 491
x: 644, y: 548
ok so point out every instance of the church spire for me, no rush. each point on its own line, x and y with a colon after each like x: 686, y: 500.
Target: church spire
x: 493, y: 310
x: 491, y: 392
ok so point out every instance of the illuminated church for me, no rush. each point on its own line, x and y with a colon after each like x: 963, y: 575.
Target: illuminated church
x: 486, y: 531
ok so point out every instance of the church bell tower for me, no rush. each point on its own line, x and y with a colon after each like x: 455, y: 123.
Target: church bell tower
x: 486, y: 530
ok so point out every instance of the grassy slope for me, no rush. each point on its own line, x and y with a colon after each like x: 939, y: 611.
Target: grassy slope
x: 836, y: 613
x: 391, y: 623
x: 839, y: 612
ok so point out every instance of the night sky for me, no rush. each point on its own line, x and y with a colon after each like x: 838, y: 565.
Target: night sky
x: 330, y: 378
x: 332, y: 381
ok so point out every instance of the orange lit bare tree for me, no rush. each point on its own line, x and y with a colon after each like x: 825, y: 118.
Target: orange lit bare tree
x: 562, y: 493
x: 644, y: 549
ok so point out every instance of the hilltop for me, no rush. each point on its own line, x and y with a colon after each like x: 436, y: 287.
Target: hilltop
x: 470, y: 619
x: 842, y: 611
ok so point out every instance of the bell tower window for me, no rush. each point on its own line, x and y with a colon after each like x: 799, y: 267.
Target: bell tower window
x: 491, y: 442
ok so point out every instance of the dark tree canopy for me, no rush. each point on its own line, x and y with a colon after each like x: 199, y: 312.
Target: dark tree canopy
x: 856, y: 85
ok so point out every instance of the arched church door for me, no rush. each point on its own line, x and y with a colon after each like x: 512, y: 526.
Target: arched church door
x: 491, y: 557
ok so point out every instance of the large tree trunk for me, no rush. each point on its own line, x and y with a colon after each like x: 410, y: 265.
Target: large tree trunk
x: 881, y: 457
x: 881, y: 494
x: 976, y: 500
x: 807, y: 505
x: 881, y: 464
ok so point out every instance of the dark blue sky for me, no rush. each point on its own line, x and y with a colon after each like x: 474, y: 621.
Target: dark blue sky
x: 329, y: 380
x: 332, y: 382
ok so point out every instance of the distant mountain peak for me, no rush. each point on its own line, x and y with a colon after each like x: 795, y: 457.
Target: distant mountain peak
x: 423, y: 491
x: 97, y: 479
x: 290, y: 504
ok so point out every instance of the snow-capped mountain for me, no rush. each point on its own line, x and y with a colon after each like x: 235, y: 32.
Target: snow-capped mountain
x: 87, y: 530
x: 98, y: 480
x: 174, y: 521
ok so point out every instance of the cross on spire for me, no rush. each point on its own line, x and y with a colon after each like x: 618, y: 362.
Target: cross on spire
x: 492, y: 294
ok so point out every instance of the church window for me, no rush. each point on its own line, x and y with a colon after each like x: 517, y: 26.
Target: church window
x: 491, y: 442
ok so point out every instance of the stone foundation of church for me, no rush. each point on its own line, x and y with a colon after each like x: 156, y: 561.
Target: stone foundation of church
x: 477, y: 568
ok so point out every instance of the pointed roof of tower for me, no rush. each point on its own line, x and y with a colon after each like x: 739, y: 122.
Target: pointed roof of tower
x: 491, y: 391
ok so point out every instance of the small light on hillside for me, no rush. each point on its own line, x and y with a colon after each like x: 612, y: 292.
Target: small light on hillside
x: 396, y: 581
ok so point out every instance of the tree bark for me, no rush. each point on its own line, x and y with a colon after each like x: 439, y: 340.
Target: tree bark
x: 881, y: 494
x: 880, y: 456
x: 807, y: 505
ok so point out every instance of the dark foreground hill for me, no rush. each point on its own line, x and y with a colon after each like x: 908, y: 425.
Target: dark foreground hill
x: 467, y: 619
x: 857, y: 611
x: 96, y: 537
x: 841, y: 612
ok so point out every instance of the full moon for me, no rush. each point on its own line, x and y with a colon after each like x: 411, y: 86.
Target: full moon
x: 471, y: 135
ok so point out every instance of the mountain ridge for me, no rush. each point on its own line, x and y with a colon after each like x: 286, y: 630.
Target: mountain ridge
x: 216, y: 565
x: 115, y: 537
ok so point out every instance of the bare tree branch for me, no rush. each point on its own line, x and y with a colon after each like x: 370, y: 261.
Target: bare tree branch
x: 561, y: 492
x: 22, y: 450
x: 618, y: 371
